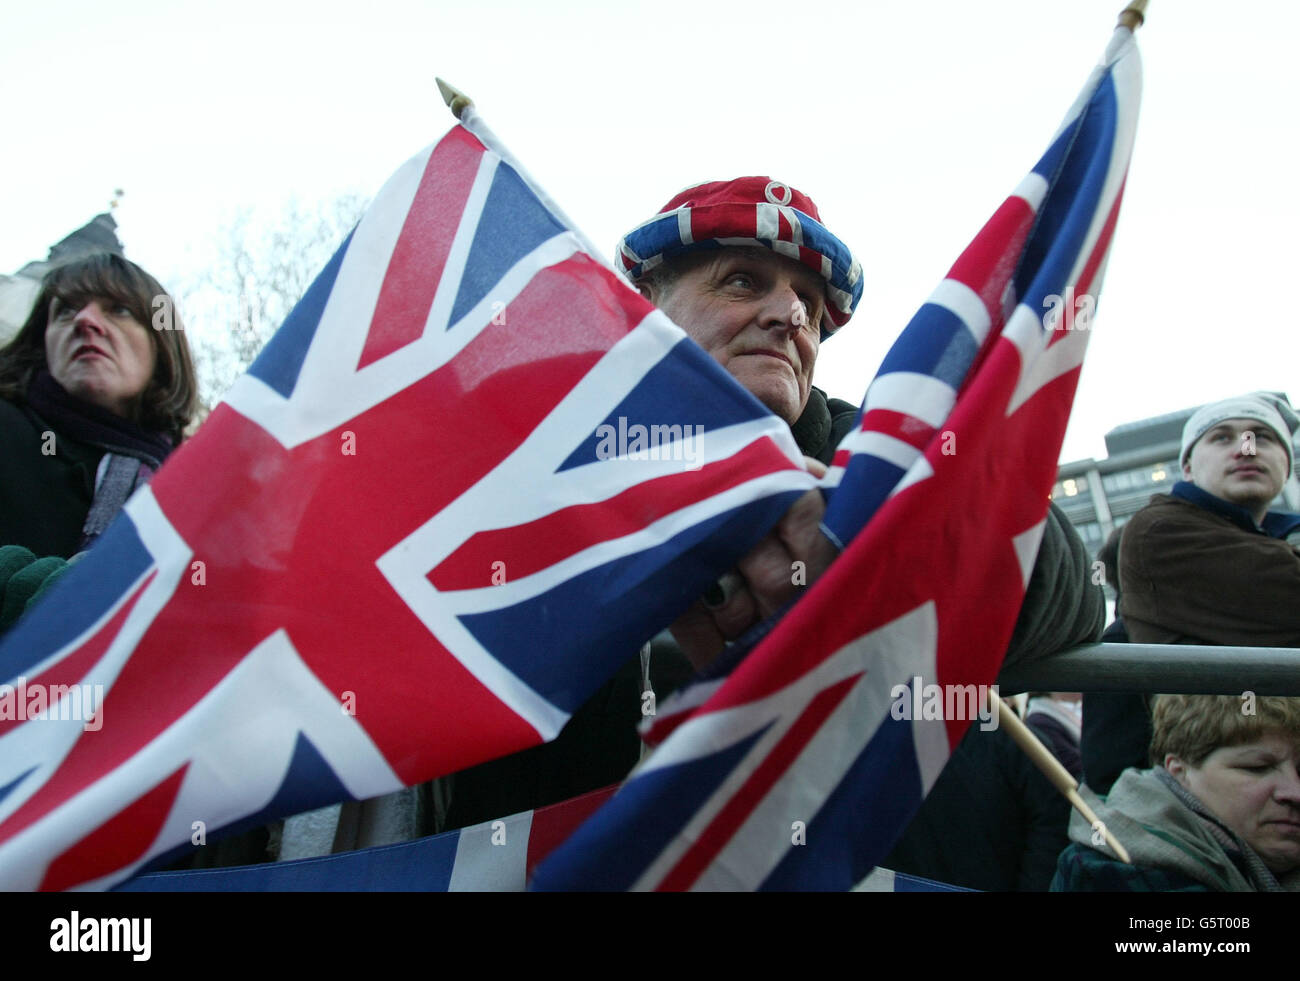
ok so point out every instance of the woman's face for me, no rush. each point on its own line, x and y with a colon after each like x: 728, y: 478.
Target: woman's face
x: 1253, y: 788
x: 99, y: 352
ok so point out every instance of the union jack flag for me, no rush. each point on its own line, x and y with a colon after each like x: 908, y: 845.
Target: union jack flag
x: 495, y: 856
x: 788, y: 766
x: 403, y: 544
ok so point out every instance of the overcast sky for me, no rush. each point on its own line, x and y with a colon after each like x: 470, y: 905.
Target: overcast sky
x: 908, y: 123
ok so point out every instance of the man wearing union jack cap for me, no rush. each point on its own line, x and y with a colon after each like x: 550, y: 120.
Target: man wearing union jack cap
x: 749, y: 271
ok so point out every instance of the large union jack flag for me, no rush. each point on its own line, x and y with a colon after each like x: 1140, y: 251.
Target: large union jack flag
x: 404, y: 544
x: 790, y: 767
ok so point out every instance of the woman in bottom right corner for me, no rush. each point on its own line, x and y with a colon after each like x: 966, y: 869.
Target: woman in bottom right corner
x: 1219, y: 810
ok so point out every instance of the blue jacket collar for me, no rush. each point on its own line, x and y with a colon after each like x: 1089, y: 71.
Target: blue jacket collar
x: 1276, y: 524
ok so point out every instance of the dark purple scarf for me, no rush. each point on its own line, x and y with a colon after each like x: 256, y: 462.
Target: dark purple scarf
x: 132, y: 454
x: 92, y: 425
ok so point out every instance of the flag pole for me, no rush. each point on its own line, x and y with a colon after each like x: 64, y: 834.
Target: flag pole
x: 457, y: 101
x: 1132, y: 16
x: 462, y: 106
x: 1052, y: 769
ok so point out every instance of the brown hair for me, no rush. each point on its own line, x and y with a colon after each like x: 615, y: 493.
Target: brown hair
x: 1194, y: 726
x: 170, y: 399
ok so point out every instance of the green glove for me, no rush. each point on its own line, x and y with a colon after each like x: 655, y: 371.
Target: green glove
x: 23, y: 578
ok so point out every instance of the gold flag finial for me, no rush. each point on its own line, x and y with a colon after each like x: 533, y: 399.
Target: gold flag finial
x: 457, y: 101
x: 1133, y: 15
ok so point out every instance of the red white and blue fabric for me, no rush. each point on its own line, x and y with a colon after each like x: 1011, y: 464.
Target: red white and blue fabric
x: 790, y: 772
x: 748, y: 211
x: 398, y: 548
x: 495, y: 856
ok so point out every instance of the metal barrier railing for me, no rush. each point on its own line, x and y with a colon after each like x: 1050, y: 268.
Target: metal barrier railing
x: 1170, y: 668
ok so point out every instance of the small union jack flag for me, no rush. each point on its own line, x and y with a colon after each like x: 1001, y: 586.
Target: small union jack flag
x: 794, y: 770
x: 404, y: 544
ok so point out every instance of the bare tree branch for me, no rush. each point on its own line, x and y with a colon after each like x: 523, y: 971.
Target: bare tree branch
x: 265, y: 263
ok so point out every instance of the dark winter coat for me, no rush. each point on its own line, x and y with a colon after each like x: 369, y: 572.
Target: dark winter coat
x: 1195, y: 569
x: 991, y: 821
x: 47, y: 484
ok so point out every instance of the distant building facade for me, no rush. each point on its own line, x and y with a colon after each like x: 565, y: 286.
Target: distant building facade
x: 19, y: 290
x: 1099, y: 496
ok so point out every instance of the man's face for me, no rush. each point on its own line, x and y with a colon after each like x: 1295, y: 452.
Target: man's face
x: 1223, y: 464
x: 759, y: 314
x: 1253, y: 788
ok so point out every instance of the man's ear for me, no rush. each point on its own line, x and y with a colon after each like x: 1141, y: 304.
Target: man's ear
x: 1177, y: 768
x: 1187, y: 468
x: 643, y: 287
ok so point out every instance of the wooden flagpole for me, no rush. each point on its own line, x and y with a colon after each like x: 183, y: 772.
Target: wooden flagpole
x: 1052, y: 769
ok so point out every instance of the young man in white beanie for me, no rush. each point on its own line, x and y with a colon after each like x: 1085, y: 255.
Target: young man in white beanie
x: 1209, y: 563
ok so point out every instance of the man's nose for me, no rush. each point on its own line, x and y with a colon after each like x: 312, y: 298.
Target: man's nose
x: 783, y: 310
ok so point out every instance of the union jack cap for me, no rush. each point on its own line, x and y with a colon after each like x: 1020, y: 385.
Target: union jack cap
x: 748, y: 211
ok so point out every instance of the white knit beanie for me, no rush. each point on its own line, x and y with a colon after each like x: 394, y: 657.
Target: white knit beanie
x: 1263, y: 407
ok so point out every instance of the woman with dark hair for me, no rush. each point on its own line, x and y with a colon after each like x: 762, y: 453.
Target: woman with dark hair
x: 96, y: 390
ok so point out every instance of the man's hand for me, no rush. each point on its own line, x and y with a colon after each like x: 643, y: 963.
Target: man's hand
x: 762, y: 582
